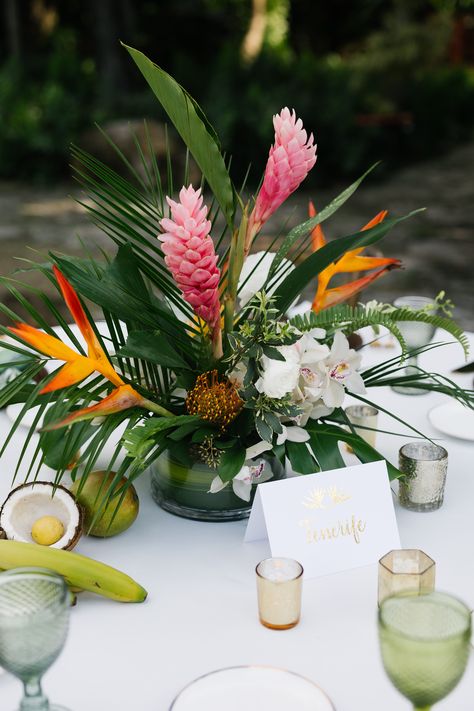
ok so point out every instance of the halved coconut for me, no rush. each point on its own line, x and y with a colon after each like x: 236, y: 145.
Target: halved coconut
x: 30, y: 502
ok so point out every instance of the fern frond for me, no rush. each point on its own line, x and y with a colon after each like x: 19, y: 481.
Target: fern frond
x: 352, y: 318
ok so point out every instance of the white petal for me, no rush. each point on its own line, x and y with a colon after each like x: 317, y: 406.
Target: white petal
x: 296, y: 434
x: 340, y: 347
x: 253, y: 275
x: 243, y: 475
x: 255, y: 272
x: 320, y: 410
x: 242, y: 489
x: 282, y: 436
x: 299, y: 309
x: 217, y: 485
x: 317, y: 333
x: 355, y: 383
x: 279, y: 377
x: 333, y: 395
x: 264, y: 475
x: 257, y: 449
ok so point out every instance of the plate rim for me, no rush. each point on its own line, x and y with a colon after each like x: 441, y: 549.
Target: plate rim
x: 447, y: 434
x: 250, y: 666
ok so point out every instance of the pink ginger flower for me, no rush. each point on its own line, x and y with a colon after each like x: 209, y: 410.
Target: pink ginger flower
x: 190, y: 254
x: 291, y: 158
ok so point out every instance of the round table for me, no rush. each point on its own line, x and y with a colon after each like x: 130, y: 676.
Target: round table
x: 201, y: 613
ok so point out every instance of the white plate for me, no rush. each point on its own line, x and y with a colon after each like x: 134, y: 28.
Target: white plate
x: 252, y: 688
x: 453, y: 419
x: 12, y: 412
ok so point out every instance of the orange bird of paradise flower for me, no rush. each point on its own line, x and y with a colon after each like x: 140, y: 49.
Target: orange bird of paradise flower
x: 77, y: 366
x: 350, y: 262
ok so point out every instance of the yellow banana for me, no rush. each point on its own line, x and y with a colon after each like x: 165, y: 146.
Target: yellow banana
x: 77, y: 570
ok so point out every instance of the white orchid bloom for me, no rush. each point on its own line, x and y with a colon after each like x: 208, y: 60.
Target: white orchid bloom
x: 242, y: 483
x: 339, y: 371
x: 255, y: 272
x: 251, y: 452
x: 248, y: 476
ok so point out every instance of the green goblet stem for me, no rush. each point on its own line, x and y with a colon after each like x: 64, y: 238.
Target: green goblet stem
x: 422, y: 708
x: 34, y: 699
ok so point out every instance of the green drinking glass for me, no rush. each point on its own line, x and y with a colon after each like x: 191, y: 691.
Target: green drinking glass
x: 34, y: 616
x: 425, y: 644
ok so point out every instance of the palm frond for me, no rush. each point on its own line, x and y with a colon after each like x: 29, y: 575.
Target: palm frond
x: 352, y: 318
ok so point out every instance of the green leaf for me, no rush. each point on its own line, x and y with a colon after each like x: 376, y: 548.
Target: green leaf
x: 124, y: 270
x: 300, y: 231
x: 231, y: 462
x: 193, y: 127
x: 10, y: 390
x: 273, y: 353
x: 153, y: 347
x: 60, y: 450
x: 139, y: 440
x: 324, y: 443
x: 184, y: 430
x: 272, y: 421
x: 112, y: 294
x: 301, y: 276
x: 264, y: 430
x: 325, y: 449
x: 204, y: 432
x: 300, y: 458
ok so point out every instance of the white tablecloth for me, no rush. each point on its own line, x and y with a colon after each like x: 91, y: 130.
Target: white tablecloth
x: 201, y: 611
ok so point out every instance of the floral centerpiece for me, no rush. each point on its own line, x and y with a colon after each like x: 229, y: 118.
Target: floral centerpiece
x: 195, y: 359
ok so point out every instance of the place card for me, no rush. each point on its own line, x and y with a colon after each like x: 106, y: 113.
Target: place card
x: 329, y: 521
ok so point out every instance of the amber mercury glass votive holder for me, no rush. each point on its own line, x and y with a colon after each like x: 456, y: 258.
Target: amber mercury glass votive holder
x: 406, y: 571
x: 279, y: 588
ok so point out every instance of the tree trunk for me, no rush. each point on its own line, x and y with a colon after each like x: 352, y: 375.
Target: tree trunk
x: 253, y: 40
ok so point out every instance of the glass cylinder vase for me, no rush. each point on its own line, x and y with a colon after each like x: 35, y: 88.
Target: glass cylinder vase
x: 184, y: 490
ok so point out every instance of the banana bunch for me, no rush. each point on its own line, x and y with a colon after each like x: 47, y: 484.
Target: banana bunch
x: 79, y: 572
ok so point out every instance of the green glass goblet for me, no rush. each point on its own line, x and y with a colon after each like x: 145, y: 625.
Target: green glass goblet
x: 425, y: 644
x: 34, y: 616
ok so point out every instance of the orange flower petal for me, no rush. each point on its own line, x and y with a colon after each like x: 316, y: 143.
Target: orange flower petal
x: 43, y: 342
x: 349, y: 263
x: 70, y: 374
x: 121, y: 398
x: 379, y: 217
x: 318, y: 239
x: 334, y: 296
x: 78, y: 314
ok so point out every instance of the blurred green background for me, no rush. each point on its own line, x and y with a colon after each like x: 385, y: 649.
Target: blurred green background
x: 374, y: 79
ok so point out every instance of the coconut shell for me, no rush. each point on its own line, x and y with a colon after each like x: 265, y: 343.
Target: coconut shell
x: 29, y: 485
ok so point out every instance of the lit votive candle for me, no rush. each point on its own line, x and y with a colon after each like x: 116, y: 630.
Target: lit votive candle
x: 279, y: 588
x: 364, y: 419
x: 408, y: 570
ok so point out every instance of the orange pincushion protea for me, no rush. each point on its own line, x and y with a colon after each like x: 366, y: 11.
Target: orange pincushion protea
x: 214, y: 400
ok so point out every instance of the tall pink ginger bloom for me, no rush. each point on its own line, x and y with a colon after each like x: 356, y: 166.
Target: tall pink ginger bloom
x: 190, y: 255
x: 291, y: 158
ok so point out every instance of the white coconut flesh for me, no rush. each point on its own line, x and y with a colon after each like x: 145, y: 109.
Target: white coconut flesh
x: 27, y: 504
